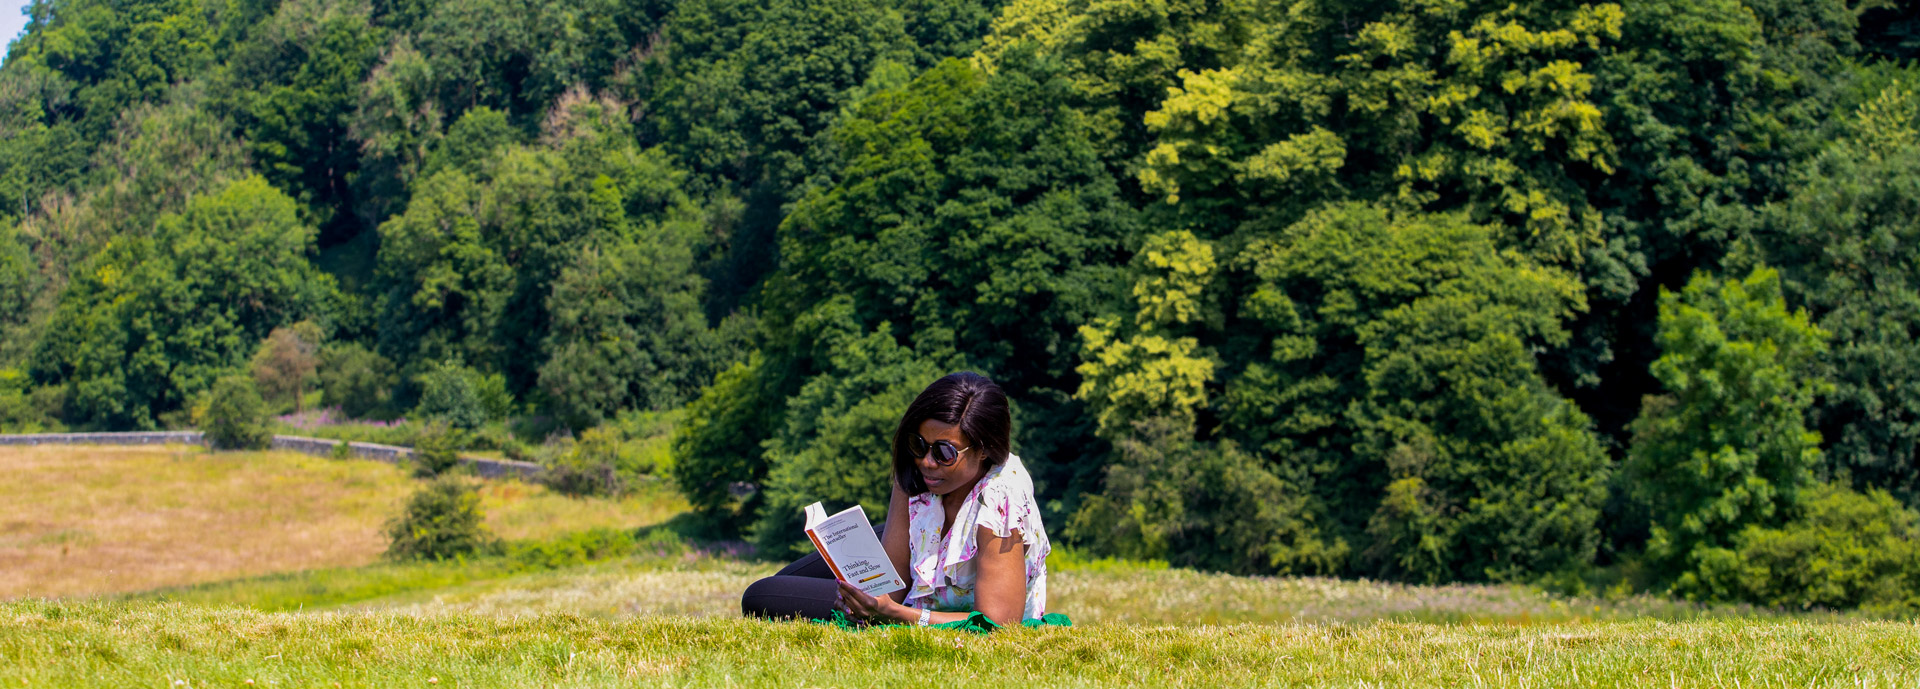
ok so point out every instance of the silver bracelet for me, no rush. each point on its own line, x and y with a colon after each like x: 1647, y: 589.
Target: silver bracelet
x: 925, y: 613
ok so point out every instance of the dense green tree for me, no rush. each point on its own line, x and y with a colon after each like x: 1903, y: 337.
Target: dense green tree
x: 1348, y: 288
x: 1122, y: 57
x: 1845, y: 241
x: 292, y: 89
x: 25, y: 408
x: 157, y: 159
x: 43, y: 153
x: 107, y: 55
x: 628, y: 331
x: 469, y: 268
x: 1169, y: 497
x: 836, y: 443
x: 716, y: 450
x: 151, y: 321
x: 742, y: 92
x: 1391, y: 373
x: 971, y: 216
x: 1727, y: 446
x: 397, y: 120
x: 18, y: 285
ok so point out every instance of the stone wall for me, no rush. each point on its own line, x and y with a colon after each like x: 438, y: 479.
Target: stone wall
x: 322, y: 447
x: 135, y: 438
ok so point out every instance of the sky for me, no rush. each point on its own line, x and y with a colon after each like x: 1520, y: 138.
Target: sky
x: 13, y: 18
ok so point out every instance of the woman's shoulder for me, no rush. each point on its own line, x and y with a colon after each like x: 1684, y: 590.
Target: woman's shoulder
x: 1007, y: 481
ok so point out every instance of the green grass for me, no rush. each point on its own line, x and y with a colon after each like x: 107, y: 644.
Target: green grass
x: 171, y: 644
x: 563, y: 608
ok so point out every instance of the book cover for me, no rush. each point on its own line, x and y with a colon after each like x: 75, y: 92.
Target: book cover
x: 846, y: 541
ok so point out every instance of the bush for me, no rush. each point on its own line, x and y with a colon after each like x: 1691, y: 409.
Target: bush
x: 436, y: 450
x: 442, y: 520
x: 28, y: 409
x: 462, y: 397
x: 610, y: 460
x: 1847, y: 550
x: 357, y: 380
x: 835, y: 444
x: 1174, y: 499
x: 591, y: 466
x: 233, y: 415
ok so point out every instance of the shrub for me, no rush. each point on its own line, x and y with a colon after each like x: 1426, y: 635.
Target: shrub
x: 610, y: 460
x: 588, y: 467
x: 442, y: 520
x: 436, y: 450
x: 357, y: 380
x: 1171, y: 498
x: 462, y: 397
x: 1846, y: 550
x: 28, y: 409
x: 233, y: 416
x: 447, y: 394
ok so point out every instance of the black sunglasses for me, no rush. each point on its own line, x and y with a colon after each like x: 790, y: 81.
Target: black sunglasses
x: 946, y: 454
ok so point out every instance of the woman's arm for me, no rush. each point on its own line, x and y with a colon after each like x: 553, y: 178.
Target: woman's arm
x: 1000, y: 591
x: 895, y: 538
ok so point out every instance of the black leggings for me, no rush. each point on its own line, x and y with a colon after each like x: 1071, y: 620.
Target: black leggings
x: 804, y: 588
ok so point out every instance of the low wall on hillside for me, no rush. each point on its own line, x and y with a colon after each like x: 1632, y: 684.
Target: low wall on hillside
x: 323, y: 447
x: 135, y: 438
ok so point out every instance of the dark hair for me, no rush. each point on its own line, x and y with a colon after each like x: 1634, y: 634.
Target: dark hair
x: 967, y: 400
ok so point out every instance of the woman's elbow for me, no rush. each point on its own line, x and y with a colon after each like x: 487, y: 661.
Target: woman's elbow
x: 1003, y: 614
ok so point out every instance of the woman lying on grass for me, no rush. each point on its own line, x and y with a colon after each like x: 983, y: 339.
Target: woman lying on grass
x: 962, y: 525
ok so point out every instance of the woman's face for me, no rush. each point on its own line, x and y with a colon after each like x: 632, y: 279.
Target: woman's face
x: 943, y: 480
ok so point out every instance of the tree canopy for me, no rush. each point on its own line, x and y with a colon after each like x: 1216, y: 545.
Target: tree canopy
x: 1411, y: 289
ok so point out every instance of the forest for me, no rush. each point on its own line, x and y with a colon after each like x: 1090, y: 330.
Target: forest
x: 1591, y: 295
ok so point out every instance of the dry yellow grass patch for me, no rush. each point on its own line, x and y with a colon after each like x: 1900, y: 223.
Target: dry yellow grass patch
x: 80, y: 520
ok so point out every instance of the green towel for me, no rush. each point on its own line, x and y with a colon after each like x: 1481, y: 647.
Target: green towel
x: 976, y: 622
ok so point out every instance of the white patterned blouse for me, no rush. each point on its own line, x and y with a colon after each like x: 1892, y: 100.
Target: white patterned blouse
x: 944, y: 574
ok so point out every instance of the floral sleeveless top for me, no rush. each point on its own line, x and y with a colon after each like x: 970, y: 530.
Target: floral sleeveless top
x: 944, y: 572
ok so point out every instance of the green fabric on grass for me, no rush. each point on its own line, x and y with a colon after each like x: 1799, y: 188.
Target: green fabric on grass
x: 976, y: 622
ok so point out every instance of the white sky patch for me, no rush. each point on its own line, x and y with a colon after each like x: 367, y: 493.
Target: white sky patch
x: 13, y: 19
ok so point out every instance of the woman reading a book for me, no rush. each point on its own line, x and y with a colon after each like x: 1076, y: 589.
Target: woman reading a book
x: 962, y: 526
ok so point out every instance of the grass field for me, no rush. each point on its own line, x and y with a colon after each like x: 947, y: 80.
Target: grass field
x: 667, y: 613
x: 172, y: 644
x: 91, y: 520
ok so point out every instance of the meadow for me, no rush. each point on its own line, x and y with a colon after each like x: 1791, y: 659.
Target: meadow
x: 232, y: 604
x: 93, y: 520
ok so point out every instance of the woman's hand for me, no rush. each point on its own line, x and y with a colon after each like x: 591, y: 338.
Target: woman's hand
x: 856, y: 604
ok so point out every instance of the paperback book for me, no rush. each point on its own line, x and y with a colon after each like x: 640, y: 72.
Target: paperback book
x: 848, y: 544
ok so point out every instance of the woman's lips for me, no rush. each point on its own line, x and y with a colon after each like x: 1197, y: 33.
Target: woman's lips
x: 930, y: 480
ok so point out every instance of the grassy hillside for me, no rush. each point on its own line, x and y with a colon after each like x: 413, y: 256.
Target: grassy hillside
x: 236, y: 609
x: 92, y: 520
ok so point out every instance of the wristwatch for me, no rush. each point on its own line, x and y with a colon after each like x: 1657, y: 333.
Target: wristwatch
x: 925, y: 614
